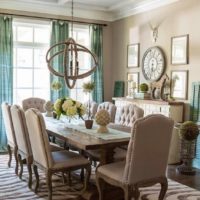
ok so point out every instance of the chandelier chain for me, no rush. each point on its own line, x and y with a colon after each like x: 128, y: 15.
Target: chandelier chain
x: 72, y: 19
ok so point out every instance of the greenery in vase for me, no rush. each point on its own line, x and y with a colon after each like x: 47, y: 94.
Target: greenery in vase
x: 189, y: 131
x: 88, y: 87
x: 69, y: 107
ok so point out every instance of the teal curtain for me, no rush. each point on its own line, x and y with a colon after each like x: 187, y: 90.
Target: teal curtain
x: 6, y: 71
x: 96, y: 35
x: 59, y: 33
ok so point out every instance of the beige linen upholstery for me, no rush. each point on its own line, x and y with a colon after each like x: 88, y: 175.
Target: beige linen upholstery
x: 110, y: 107
x: 11, y: 139
x: 49, y: 161
x: 22, y: 138
x: 23, y: 141
x: 146, y: 159
x: 33, y: 102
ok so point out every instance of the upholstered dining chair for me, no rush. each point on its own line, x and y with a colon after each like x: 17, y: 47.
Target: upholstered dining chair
x: 11, y: 139
x: 33, y: 102
x: 93, y: 107
x: 110, y: 107
x: 24, y: 150
x: 50, y: 162
x: 127, y: 116
x: 146, y: 159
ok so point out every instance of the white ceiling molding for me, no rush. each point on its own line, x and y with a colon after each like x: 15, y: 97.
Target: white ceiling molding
x: 140, y: 8
x: 105, y: 10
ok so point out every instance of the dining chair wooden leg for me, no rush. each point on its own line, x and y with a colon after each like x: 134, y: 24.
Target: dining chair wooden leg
x: 10, y: 155
x: 135, y: 192
x: 37, y: 177
x: 69, y: 178
x: 100, y: 186
x: 87, y: 176
x: 49, y: 183
x: 164, y: 186
x: 82, y: 174
x: 16, y: 159
x: 21, y: 166
x: 127, y: 193
x: 29, y: 173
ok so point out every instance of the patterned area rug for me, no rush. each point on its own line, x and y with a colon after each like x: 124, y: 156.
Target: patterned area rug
x: 11, y: 187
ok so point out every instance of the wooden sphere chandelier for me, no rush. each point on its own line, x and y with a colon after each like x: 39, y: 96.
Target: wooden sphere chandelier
x: 69, y: 52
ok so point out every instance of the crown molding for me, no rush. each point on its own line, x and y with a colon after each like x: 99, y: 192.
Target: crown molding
x: 62, y: 7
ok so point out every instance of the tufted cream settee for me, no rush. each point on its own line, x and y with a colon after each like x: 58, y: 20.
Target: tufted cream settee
x: 33, y: 102
x: 110, y: 107
x: 127, y: 116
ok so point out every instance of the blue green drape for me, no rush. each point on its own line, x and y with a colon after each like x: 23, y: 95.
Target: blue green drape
x: 59, y: 33
x: 96, y: 34
x: 6, y: 70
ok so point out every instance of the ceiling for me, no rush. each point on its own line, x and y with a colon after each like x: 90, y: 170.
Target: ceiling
x: 107, y: 10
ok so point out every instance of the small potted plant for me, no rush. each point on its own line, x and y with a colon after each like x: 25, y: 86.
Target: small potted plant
x: 88, y: 87
x: 144, y: 87
x: 188, y: 133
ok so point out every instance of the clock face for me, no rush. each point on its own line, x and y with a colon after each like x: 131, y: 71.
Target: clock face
x: 153, y: 64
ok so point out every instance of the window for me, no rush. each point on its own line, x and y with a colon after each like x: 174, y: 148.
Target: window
x: 31, y: 75
x: 81, y: 36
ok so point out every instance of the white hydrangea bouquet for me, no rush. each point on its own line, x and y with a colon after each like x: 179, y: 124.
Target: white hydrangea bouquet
x: 69, y: 107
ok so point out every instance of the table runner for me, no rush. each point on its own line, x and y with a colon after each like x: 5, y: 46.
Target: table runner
x: 80, y: 127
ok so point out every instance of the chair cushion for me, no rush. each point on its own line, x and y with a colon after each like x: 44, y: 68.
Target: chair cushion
x: 67, y: 159
x: 113, y: 170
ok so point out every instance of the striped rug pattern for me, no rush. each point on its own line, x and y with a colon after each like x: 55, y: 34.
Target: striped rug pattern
x: 11, y: 187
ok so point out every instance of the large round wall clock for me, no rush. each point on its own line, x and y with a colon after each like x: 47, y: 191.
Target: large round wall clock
x: 153, y: 64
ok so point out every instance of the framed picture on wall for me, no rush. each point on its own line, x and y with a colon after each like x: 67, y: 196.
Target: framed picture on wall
x: 133, y: 55
x: 133, y: 83
x: 179, y: 50
x: 179, y: 84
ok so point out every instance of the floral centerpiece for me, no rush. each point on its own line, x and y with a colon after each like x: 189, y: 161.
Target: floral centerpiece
x: 69, y: 107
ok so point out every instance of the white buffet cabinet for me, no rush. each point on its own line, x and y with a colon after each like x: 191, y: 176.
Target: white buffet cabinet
x: 174, y: 110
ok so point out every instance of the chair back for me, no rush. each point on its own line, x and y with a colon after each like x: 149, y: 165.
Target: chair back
x: 148, y: 148
x: 110, y: 107
x: 21, y: 131
x: 128, y: 114
x: 33, y: 102
x: 93, y: 107
x: 38, y: 138
x: 10, y: 133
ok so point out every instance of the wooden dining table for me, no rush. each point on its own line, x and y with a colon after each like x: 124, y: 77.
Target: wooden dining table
x: 85, y: 139
x: 75, y: 134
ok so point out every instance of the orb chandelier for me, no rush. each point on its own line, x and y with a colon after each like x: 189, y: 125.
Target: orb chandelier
x: 70, y: 50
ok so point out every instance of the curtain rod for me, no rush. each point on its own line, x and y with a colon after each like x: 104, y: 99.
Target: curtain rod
x: 51, y: 18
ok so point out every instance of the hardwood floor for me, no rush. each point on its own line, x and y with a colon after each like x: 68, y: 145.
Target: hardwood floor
x: 189, y: 180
